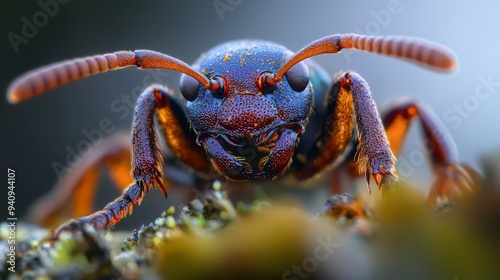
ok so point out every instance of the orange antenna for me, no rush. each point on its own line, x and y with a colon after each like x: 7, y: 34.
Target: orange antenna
x: 49, y: 77
x: 420, y: 51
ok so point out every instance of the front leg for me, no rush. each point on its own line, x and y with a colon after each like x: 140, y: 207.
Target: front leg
x: 374, y: 151
x: 147, y: 163
x: 147, y: 157
x: 350, y: 103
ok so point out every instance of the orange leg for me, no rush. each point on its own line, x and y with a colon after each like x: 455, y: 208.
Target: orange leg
x: 452, y: 178
x: 73, y: 196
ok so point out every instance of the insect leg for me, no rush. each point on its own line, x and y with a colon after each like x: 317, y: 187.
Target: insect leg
x: 451, y: 178
x: 74, y: 193
x: 350, y: 102
x: 147, y: 163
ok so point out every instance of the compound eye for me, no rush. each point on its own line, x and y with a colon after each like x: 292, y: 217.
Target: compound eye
x: 298, y: 76
x: 189, y: 87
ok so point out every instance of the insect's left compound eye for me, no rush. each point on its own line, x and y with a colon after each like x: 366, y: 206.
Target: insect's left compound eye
x: 298, y: 76
x: 189, y: 87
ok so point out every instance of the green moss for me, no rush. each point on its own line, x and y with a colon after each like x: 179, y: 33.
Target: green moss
x: 397, y: 236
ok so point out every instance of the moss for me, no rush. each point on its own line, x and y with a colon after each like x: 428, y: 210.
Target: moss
x: 396, y: 236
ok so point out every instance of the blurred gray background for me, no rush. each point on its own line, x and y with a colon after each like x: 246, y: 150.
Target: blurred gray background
x: 35, y: 134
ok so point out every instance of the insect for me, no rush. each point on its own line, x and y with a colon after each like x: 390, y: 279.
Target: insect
x: 248, y: 103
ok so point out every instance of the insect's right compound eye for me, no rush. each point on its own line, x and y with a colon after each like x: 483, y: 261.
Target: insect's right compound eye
x: 189, y: 87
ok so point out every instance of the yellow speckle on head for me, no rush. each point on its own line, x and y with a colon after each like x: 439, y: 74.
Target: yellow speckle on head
x: 227, y: 57
x: 207, y: 72
x: 242, y: 61
x: 255, y: 124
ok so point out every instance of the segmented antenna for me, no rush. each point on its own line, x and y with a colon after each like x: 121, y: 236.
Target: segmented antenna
x: 49, y: 77
x: 422, y: 52
x: 40, y: 80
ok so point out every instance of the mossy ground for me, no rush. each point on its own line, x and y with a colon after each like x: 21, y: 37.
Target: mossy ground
x: 396, y: 237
